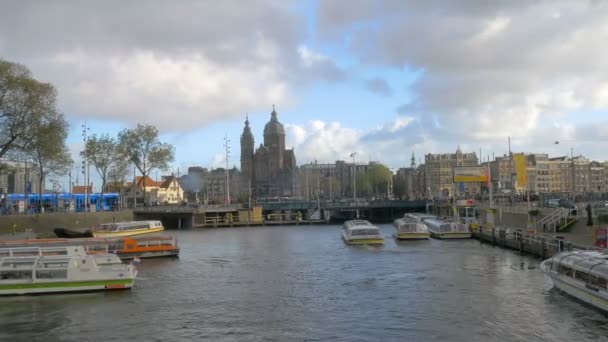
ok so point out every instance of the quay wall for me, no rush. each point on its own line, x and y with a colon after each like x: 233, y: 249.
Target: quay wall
x: 539, y: 246
x: 43, y: 224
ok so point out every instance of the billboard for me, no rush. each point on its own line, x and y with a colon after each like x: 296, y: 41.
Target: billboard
x: 519, y: 163
x: 470, y: 174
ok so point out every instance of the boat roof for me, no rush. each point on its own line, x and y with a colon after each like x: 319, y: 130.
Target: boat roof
x: 592, y: 262
x: 359, y: 224
x: 35, y: 251
x: 80, y: 241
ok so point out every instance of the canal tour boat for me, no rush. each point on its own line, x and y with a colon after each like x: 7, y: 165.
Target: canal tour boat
x: 38, y: 270
x: 142, y: 246
x: 441, y: 229
x: 361, y: 232
x: 582, y: 275
x: 410, y: 229
x: 419, y: 217
x: 127, y: 228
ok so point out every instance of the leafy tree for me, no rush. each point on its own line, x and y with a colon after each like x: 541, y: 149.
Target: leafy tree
x: 25, y: 106
x: 379, y: 177
x: 49, y: 151
x: 399, y: 187
x: 364, y: 186
x: 142, y: 147
x: 104, y: 153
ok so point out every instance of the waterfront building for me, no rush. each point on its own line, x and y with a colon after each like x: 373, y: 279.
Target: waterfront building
x: 271, y: 169
x: 410, y: 181
x: 439, y: 173
x: 550, y: 174
x: 509, y: 173
x: 597, y: 177
x: 204, y: 186
x: 15, y: 177
x: 166, y: 191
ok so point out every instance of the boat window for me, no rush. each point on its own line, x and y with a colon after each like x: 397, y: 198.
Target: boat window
x: 53, y: 264
x: 55, y: 251
x: 17, y: 274
x: 565, y: 270
x: 52, y: 274
x: 598, y: 281
x: 364, y: 232
x: 582, y: 276
x: 18, y: 264
x: 142, y: 243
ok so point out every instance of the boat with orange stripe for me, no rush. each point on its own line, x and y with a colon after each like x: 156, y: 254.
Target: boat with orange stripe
x: 148, y: 246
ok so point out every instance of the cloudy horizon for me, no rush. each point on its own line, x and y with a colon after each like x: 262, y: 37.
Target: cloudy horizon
x: 380, y: 78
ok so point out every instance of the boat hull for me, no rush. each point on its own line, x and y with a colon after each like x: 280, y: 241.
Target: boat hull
x: 71, y: 234
x: 148, y: 255
x: 363, y: 241
x: 64, y: 287
x: 462, y: 235
x: 124, y: 233
x: 411, y: 236
x: 581, y: 293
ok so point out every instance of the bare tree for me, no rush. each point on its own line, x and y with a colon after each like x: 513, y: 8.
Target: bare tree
x: 104, y: 153
x: 142, y: 147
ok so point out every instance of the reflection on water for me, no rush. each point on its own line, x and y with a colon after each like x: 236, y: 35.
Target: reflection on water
x: 304, y: 283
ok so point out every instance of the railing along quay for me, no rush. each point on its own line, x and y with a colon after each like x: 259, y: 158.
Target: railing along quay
x: 542, y: 246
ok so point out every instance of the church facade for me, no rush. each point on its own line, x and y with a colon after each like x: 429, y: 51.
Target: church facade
x: 271, y: 169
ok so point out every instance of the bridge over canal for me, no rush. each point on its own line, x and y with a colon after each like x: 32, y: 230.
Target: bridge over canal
x: 279, y: 212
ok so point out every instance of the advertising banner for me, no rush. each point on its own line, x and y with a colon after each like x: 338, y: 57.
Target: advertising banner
x: 470, y: 174
x: 519, y: 163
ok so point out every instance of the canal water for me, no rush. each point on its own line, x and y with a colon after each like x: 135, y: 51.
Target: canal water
x: 304, y: 284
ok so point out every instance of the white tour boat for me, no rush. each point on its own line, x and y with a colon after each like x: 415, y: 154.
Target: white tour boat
x: 447, y: 229
x: 410, y: 229
x: 419, y: 217
x: 581, y: 274
x: 36, y: 270
x: 361, y: 232
x: 120, y: 229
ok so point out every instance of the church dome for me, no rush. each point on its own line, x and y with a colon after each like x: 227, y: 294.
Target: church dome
x: 274, y: 126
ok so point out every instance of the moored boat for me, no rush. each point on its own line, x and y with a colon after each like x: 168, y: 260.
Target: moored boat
x: 142, y: 246
x: 118, y: 229
x: 419, y: 217
x: 410, y: 229
x: 361, y: 232
x: 582, y: 275
x: 441, y: 229
x: 38, y: 270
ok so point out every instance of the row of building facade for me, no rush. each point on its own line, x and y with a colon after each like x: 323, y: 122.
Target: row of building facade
x: 517, y: 173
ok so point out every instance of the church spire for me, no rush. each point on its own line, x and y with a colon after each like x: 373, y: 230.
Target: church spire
x: 273, y: 115
x: 413, y: 160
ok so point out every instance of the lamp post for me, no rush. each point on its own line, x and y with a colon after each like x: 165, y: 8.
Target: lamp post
x: 85, y: 166
x: 352, y: 155
x: 227, y: 147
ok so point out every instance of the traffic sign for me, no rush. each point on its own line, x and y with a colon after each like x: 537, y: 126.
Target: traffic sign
x: 28, y: 187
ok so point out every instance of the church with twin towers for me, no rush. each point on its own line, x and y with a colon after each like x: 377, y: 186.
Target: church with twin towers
x: 270, y: 169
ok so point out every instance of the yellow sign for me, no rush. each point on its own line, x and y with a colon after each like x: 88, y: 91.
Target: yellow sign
x: 519, y: 161
x: 470, y: 174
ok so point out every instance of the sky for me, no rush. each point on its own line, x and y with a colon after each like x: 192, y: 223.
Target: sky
x: 384, y: 79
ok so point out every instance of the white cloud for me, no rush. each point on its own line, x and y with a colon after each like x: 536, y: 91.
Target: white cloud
x: 173, y: 92
x: 488, y: 69
x: 180, y: 66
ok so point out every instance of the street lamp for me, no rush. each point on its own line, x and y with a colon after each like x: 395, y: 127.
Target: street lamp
x: 352, y: 155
